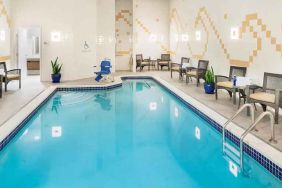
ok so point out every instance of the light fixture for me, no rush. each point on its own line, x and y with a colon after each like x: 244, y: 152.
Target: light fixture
x: 2, y: 35
x: 153, y: 38
x: 198, y: 133
x: 56, y: 132
x: 100, y: 39
x: 198, y: 35
x: 234, y: 33
x: 153, y: 106
x: 56, y: 36
x: 233, y: 168
x: 185, y: 37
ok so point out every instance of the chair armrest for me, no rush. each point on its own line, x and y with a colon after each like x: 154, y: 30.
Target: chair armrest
x: 190, y: 68
x: 217, y: 77
x: 16, y: 71
x: 175, y: 64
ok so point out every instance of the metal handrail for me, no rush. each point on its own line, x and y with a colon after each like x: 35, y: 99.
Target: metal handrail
x: 272, y: 139
x: 234, y: 116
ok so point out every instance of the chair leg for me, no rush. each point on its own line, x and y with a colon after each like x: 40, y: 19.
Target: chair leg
x: 216, y: 94
x: 170, y: 74
x: 276, y: 115
x: 198, y: 82
x: 239, y: 102
x: 230, y: 93
x: 20, y: 83
x: 6, y: 83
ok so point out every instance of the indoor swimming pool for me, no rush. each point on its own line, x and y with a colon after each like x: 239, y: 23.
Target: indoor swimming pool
x: 137, y: 135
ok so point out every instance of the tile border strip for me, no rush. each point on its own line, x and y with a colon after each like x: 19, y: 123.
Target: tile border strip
x: 257, y: 156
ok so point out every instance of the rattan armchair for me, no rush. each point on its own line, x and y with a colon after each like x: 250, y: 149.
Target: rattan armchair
x: 141, y: 63
x: 224, y: 82
x: 164, y: 61
x: 175, y: 67
x: 198, y: 73
x: 271, y: 94
x: 10, y: 75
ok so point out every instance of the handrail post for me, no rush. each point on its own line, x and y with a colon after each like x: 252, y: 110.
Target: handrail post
x: 272, y: 138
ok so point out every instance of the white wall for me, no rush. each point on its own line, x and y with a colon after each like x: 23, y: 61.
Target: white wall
x: 5, y: 31
x: 124, y: 32
x: 76, y: 24
x: 218, y: 17
x: 151, y: 27
x: 106, y: 30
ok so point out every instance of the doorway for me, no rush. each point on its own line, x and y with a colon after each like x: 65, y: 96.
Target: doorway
x: 29, y: 51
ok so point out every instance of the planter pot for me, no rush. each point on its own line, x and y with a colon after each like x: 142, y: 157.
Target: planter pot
x: 209, y: 88
x: 56, y: 78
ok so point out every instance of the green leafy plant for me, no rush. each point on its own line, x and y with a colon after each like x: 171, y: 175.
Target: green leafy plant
x: 56, y: 67
x: 209, y: 77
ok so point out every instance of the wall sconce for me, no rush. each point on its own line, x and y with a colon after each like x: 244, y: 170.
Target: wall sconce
x: 185, y: 37
x: 56, y: 36
x: 153, y: 38
x: 100, y: 39
x: 234, y: 33
x: 198, y: 35
x: 2, y: 35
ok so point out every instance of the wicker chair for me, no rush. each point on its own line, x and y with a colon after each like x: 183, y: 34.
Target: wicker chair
x: 198, y: 73
x: 141, y: 63
x: 271, y: 94
x: 224, y: 82
x: 164, y: 61
x: 10, y: 75
x: 175, y: 67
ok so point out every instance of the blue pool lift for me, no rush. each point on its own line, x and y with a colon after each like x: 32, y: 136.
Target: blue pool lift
x: 105, y: 70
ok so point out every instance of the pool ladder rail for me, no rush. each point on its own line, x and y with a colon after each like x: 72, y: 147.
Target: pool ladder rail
x: 229, y: 149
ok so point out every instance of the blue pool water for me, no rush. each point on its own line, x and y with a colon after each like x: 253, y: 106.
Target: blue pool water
x: 138, y: 135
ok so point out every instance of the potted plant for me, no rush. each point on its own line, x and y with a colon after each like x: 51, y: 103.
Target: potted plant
x: 56, y: 71
x: 209, y: 81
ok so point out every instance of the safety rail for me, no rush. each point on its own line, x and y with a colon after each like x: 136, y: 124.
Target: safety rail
x: 233, y: 117
x: 272, y: 139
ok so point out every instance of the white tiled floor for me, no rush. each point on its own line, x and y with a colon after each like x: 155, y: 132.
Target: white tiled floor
x: 15, y: 99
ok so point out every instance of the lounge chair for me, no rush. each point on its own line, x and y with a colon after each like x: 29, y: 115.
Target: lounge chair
x: 198, y: 73
x: 10, y: 75
x: 224, y: 82
x: 105, y: 70
x: 141, y: 63
x: 271, y: 94
x: 175, y: 67
x: 164, y: 61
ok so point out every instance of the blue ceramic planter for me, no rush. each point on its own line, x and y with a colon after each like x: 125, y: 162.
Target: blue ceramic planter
x: 209, y: 88
x: 56, y: 78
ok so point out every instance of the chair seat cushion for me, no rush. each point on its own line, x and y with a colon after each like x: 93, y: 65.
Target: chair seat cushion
x: 163, y: 63
x: 192, y: 73
x: 175, y: 68
x: 263, y: 96
x: 226, y: 84
x: 144, y: 63
x: 13, y: 76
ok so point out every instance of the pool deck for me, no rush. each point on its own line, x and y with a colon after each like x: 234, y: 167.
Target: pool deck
x: 15, y: 99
